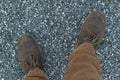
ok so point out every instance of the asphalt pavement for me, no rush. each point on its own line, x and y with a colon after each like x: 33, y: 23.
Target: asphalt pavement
x: 56, y: 25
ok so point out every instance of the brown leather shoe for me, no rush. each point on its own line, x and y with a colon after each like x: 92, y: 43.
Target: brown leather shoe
x: 29, y: 54
x: 93, y: 29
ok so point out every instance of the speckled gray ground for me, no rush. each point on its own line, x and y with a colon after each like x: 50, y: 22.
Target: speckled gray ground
x: 56, y: 24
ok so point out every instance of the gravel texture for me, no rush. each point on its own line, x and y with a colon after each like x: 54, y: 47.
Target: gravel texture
x: 56, y: 25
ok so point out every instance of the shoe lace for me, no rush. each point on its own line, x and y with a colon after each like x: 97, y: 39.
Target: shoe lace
x: 95, y: 38
x: 34, y: 62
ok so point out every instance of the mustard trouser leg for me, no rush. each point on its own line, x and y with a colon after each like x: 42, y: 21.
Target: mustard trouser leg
x: 36, y: 74
x: 83, y: 64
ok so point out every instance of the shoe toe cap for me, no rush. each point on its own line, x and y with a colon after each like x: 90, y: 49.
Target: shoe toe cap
x: 98, y: 18
x: 27, y: 38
